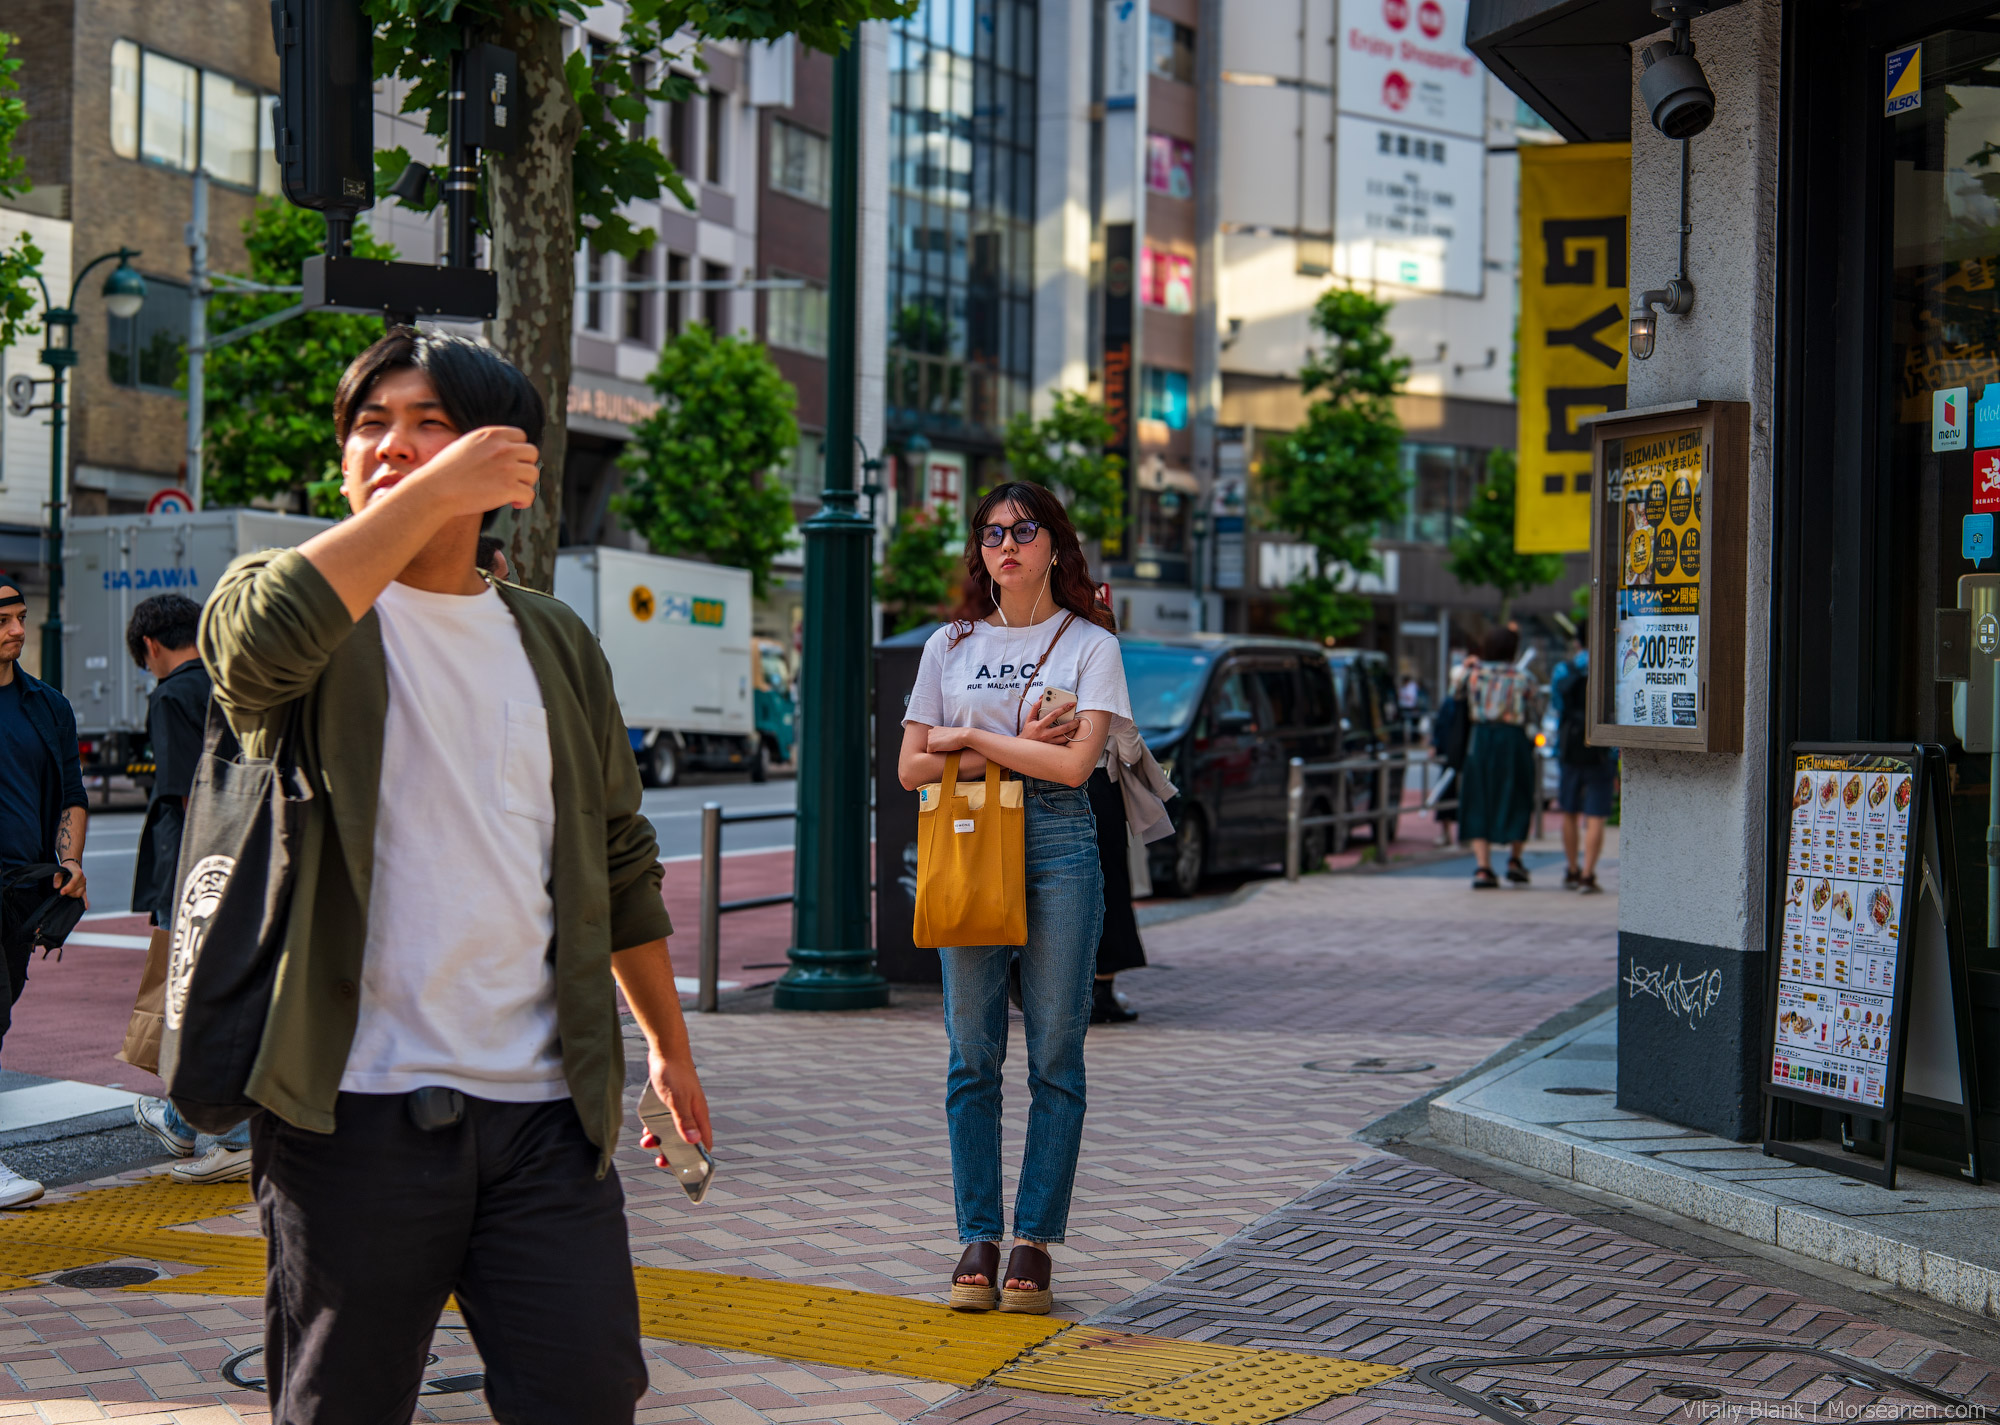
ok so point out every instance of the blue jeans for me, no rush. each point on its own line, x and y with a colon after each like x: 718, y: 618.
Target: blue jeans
x: 235, y: 1139
x: 1065, y: 918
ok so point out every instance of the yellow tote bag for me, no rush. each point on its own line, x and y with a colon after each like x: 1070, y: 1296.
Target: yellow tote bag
x: 972, y: 861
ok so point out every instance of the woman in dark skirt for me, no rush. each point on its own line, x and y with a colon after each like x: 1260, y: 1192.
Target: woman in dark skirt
x: 1497, y: 787
x: 1118, y: 948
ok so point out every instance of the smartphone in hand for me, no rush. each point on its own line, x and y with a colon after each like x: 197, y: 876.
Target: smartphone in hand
x: 1059, y: 701
x: 689, y: 1162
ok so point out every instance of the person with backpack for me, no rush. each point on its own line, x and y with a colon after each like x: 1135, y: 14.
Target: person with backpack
x: 1587, y: 774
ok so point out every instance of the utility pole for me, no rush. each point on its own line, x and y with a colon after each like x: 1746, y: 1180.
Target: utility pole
x: 832, y: 954
x: 197, y: 343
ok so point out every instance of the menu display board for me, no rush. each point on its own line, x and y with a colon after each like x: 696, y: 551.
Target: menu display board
x: 1847, y: 875
x: 1654, y: 483
x: 1668, y: 550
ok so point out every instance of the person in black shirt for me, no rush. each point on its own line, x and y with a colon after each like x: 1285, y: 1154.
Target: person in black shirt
x: 42, y: 810
x: 161, y: 639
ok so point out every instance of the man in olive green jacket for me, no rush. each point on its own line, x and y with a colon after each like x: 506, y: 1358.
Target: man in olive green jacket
x: 442, y: 1070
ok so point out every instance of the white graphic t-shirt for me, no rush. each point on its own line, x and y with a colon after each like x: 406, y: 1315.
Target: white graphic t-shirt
x: 979, y: 683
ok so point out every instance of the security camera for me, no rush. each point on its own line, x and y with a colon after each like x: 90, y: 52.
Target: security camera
x: 1678, y: 99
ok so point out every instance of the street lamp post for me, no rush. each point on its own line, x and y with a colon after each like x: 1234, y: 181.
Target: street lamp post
x: 124, y: 294
x: 832, y: 954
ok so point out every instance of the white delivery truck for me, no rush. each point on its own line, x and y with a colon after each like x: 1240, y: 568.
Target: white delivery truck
x: 110, y: 564
x: 677, y: 635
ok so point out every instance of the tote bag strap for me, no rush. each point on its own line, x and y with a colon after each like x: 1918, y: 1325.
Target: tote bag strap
x: 1026, y: 683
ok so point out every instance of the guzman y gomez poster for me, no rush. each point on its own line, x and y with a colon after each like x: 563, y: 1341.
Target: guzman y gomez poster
x: 1658, y: 637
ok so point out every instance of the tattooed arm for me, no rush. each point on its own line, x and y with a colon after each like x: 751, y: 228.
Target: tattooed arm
x: 69, y: 849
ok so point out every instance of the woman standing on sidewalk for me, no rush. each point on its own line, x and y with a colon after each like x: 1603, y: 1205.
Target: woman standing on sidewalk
x: 1029, y: 621
x: 1497, y: 789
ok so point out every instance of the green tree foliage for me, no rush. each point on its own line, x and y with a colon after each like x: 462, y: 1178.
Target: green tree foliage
x: 20, y: 261
x: 1065, y: 451
x: 610, y: 85
x: 269, y: 429
x: 700, y: 467
x: 1337, y: 479
x: 918, y: 579
x: 1482, y: 551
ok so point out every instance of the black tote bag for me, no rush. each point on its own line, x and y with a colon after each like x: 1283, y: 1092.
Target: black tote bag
x: 232, y: 901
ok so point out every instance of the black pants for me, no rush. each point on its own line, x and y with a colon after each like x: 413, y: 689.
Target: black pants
x: 16, y: 906
x: 1118, y: 946
x: 373, y: 1226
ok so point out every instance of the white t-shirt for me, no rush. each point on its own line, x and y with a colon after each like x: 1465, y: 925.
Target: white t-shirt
x: 978, y: 683
x: 457, y: 987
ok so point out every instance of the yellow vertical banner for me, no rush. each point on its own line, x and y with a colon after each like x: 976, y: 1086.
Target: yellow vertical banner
x: 1576, y: 213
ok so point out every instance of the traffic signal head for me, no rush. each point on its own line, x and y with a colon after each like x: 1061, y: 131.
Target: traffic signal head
x: 325, y: 139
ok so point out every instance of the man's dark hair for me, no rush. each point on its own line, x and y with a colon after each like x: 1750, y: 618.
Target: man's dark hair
x: 478, y: 386
x: 170, y: 620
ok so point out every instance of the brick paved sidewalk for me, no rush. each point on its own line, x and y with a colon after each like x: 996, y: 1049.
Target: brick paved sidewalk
x: 1204, y: 1118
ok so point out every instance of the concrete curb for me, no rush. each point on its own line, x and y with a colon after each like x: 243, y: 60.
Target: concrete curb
x: 1735, y: 1207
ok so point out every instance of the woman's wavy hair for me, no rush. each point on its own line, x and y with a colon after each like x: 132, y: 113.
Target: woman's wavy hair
x: 1069, y: 580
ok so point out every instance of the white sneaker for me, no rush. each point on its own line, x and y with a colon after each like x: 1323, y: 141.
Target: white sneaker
x: 15, y: 1190
x: 151, y: 1115
x: 217, y: 1165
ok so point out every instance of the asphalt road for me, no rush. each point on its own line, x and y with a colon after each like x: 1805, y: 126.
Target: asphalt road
x: 113, y: 840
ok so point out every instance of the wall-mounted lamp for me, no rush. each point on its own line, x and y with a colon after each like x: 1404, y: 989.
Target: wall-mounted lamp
x: 1676, y: 297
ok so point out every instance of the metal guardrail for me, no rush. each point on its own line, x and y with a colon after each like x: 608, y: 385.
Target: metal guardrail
x: 1381, y: 764
x: 713, y: 906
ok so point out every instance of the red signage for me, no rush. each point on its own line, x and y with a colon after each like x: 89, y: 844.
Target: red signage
x: 1986, y: 481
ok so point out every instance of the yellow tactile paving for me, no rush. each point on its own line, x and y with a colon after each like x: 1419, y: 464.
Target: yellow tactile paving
x: 1268, y: 1386
x: 1093, y: 1361
x: 833, y: 1326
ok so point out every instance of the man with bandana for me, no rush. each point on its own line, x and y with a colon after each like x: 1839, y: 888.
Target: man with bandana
x: 42, y: 810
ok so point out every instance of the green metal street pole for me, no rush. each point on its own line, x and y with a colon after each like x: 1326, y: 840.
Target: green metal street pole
x: 832, y: 954
x: 124, y: 291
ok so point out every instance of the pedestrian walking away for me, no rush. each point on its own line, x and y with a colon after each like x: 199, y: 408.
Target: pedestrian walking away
x: 1030, y: 625
x: 1451, y: 731
x: 160, y: 636
x: 441, y: 1074
x: 43, y: 818
x: 1587, y: 776
x: 1497, y: 788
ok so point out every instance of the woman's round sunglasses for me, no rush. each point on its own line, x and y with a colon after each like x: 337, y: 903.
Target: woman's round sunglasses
x: 995, y: 535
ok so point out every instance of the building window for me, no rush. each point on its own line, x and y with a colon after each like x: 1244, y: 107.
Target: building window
x: 805, y: 477
x: 799, y: 162
x: 677, y: 272
x: 1166, y: 280
x: 717, y: 135
x: 178, y: 116
x: 715, y: 297
x: 1172, y: 48
x: 962, y: 77
x: 680, y: 135
x: 642, y: 79
x: 1163, y: 397
x: 1169, y: 166
x: 593, y: 295
x: 144, y: 351
x: 638, y: 324
x: 795, y: 318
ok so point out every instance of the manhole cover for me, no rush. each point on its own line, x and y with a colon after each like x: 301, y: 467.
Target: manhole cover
x: 97, y: 1277
x: 1684, y: 1390
x: 1371, y: 1066
x: 1762, y: 1380
x: 449, y: 1385
x: 245, y: 1371
x: 1577, y: 1091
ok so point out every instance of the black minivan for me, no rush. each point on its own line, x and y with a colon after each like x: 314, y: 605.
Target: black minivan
x: 1225, y: 714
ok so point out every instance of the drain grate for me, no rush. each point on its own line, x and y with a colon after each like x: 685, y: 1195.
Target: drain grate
x: 101, y: 1277
x: 1577, y: 1091
x: 1766, y: 1379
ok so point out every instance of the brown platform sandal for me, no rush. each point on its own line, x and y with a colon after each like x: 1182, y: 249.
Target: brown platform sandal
x: 1028, y: 1264
x: 980, y: 1259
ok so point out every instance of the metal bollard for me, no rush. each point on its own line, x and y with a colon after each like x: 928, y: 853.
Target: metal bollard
x: 1295, y: 801
x: 711, y: 907
x: 1382, y: 811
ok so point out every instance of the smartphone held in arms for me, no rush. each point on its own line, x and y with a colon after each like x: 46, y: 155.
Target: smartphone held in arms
x: 689, y: 1162
x: 1058, y: 701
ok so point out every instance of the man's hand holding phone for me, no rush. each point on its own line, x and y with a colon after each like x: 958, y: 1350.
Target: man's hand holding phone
x: 674, y: 1112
